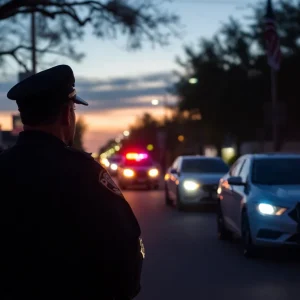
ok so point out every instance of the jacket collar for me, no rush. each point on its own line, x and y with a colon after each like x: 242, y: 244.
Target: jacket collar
x: 38, y: 138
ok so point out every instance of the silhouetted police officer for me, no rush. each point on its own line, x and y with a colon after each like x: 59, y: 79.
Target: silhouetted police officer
x: 66, y: 231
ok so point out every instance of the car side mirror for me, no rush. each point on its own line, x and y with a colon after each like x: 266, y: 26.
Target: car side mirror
x: 173, y: 171
x: 236, y: 180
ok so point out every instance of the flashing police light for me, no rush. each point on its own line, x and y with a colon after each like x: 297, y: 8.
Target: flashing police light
x: 136, y: 156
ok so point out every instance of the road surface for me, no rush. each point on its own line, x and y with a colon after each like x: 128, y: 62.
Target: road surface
x: 184, y: 259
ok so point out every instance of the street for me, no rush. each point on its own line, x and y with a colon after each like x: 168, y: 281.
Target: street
x: 184, y: 259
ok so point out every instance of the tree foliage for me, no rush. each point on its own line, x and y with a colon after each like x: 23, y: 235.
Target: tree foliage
x: 143, y: 132
x: 232, y: 97
x: 61, y: 23
x: 233, y: 89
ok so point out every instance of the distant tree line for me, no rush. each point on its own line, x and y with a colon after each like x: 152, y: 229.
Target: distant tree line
x: 230, y: 98
x: 232, y: 92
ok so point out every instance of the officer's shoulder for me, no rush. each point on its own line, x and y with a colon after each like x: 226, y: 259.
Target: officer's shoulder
x: 4, y: 151
x: 3, y: 154
x: 79, y: 153
x: 82, y: 156
x: 7, y: 153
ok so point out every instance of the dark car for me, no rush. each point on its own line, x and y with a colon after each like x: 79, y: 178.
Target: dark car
x: 114, y: 163
x: 138, y: 169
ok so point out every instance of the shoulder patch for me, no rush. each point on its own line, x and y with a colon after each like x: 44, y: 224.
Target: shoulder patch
x: 107, y: 181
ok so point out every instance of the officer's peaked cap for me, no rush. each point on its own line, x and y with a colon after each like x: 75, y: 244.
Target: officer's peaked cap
x: 58, y: 81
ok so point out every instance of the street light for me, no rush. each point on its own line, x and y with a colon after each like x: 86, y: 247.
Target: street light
x: 155, y: 102
x: 162, y: 102
x: 126, y: 133
x: 193, y: 80
x: 181, y: 138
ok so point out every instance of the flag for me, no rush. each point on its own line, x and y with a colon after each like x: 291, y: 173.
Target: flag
x: 272, y: 38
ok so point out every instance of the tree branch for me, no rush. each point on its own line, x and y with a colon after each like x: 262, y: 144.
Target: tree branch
x: 139, y: 21
x: 15, y: 7
x: 13, y: 53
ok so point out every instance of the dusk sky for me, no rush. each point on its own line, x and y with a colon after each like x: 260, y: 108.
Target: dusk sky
x: 119, y: 85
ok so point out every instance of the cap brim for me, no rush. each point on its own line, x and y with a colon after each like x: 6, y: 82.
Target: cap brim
x: 79, y: 100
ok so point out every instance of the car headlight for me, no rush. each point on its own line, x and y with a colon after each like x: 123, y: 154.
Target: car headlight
x: 153, y: 173
x: 105, y: 162
x: 190, y: 185
x: 270, y: 210
x: 128, y: 173
x: 114, y: 167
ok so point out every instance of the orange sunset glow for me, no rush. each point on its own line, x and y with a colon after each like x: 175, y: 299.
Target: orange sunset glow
x: 102, y: 125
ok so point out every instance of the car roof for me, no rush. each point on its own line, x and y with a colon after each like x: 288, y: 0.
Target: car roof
x: 272, y: 155
x: 187, y: 157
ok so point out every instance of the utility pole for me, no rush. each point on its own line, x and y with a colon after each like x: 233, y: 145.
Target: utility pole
x: 33, y: 41
x: 275, y: 124
x: 167, y: 124
x: 274, y: 59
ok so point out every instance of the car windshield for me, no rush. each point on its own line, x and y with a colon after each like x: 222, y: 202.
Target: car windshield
x: 140, y: 163
x: 276, y: 171
x: 116, y: 159
x: 204, y: 166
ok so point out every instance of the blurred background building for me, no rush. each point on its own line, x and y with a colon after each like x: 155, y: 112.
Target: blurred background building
x: 9, y: 137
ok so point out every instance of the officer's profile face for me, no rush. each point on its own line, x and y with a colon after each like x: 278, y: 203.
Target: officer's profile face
x: 69, y: 121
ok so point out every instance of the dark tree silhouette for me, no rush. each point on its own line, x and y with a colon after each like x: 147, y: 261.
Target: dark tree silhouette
x: 233, y: 89
x: 62, y: 22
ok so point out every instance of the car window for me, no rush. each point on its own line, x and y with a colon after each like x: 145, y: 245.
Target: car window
x: 116, y: 160
x: 201, y: 165
x: 244, y: 170
x: 276, y: 171
x: 235, y: 169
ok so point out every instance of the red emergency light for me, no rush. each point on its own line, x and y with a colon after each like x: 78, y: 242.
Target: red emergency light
x: 136, y: 156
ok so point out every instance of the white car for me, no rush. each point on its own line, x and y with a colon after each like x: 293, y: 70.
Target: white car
x: 259, y: 201
x: 193, y: 180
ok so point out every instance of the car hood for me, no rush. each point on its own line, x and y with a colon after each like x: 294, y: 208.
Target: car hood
x: 280, y: 193
x: 205, y: 178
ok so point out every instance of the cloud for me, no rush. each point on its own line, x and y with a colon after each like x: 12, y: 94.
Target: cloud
x: 121, y: 92
x: 114, y: 104
x: 124, y: 92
